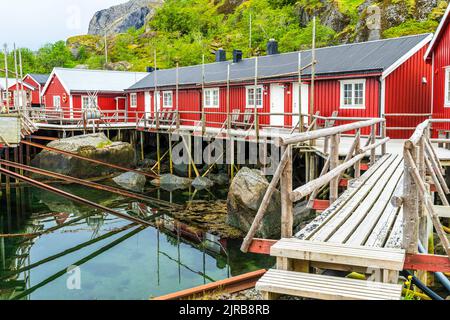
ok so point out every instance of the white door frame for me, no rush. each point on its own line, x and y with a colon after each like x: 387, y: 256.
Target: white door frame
x: 305, y: 101
x: 147, y: 104
x: 277, y: 104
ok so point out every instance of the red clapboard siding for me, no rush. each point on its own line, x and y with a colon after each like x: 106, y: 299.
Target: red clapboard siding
x: 327, y: 96
x: 55, y: 88
x: 35, y: 98
x: 406, y: 93
x: 441, y: 60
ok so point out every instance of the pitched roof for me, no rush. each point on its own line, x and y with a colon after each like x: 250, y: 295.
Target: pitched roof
x: 11, y: 83
x: 371, y: 56
x: 39, y: 78
x: 438, y: 34
x: 81, y: 80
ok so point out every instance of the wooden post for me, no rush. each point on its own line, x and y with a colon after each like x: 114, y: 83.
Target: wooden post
x: 372, y: 141
x: 357, y: 167
x: 142, y: 144
x: 410, y: 208
x: 383, y: 135
x: 287, y: 218
x: 334, y: 162
x: 170, y: 154
x: 158, y: 152
x: 203, y: 97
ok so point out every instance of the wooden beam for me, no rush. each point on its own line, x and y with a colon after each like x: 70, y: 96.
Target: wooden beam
x: 230, y: 285
x: 427, y: 262
x: 261, y: 246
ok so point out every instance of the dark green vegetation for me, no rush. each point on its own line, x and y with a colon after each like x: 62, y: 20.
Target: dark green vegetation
x: 183, y: 30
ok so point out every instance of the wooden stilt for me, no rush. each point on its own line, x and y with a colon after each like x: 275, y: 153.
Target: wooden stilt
x: 141, y: 134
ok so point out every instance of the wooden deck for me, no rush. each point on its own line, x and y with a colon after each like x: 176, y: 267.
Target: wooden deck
x: 360, y: 232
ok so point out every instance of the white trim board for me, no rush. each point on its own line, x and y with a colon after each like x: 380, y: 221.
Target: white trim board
x: 437, y: 33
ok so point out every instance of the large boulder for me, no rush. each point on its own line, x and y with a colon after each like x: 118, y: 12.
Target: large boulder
x: 131, y: 181
x: 244, y: 199
x: 94, y: 146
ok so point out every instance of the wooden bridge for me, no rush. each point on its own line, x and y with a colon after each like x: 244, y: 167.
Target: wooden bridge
x: 373, y: 228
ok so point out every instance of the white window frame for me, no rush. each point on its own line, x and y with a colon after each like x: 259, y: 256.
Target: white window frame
x: 133, y: 100
x: 57, y: 106
x: 209, y: 92
x: 250, y: 105
x: 165, y: 104
x: 447, y: 88
x: 6, y: 95
x: 354, y: 105
x: 91, y: 100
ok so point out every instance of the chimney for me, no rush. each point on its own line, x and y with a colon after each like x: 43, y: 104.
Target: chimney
x: 272, y: 47
x: 221, y: 55
x: 237, y: 56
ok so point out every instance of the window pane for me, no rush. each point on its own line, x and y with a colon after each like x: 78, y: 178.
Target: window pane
x: 259, y: 97
x: 359, y: 92
x: 208, y: 98
x: 216, y: 98
x: 251, y: 97
x: 348, y: 94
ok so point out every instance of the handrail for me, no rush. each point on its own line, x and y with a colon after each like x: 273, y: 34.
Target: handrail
x: 419, y: 156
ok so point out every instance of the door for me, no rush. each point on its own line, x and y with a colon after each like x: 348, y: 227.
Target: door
x: 304, y: 104
x: 157, y: 101
x: 148, y: 104
x: 277, y: 105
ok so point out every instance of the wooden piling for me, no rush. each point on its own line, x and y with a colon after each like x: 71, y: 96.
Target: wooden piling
x: 334, y: 163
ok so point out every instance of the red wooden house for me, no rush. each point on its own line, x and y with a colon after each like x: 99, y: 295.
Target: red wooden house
x: 438, y: 57
x: 370, y: 79
x: 15, y: 90
x: 74, y: 90
x: 37, y: 81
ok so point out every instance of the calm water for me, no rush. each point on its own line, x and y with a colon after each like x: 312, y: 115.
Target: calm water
x: 115, y: 260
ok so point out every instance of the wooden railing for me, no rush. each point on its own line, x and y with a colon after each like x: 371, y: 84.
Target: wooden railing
x: 283, y: 174
x: 421, y: 158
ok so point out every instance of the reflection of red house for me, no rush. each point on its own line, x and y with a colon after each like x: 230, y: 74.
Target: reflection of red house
x: 438, y: 56
x: 370, y: 79
x: 72, y: 90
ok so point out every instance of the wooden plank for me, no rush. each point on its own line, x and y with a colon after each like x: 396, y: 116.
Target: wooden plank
x: 365, y: 223
x: 360, y: 202
x: 316, y: 286
x: 261, y: 246
x: 442, y: 211
x: 379, y: 258
x: 380, y: 232
x: 426, y: 262
x: 395, y: 239
x: 287, y: 217
x: 230, y: 285
x: 315, y: 225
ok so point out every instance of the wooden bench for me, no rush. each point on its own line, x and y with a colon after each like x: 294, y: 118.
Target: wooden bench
x: 389, y: 261
x: 314, y: 286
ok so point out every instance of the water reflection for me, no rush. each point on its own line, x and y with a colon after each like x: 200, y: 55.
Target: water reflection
x: 117, y: 259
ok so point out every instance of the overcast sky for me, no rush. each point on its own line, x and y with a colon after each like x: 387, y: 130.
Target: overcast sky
x: 32, y: 23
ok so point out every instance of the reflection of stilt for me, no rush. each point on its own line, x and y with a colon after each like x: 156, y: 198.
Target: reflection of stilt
x: 78, y: 263
x: 179, y: 254
x: 157, y: 255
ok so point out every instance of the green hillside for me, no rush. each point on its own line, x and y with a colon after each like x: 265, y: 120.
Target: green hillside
x: 183, y: 30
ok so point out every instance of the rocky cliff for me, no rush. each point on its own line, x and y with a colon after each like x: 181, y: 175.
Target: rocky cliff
x: 120, y: 18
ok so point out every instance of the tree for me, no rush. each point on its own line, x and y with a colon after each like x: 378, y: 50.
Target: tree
x: 54, y: 55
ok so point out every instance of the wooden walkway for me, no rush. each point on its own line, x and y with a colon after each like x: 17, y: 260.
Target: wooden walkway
x: 360, y: 232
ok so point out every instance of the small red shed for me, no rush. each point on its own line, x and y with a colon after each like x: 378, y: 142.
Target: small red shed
x: 74, y: 90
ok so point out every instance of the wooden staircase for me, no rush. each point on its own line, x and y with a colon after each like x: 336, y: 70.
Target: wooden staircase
x: 296, y: 258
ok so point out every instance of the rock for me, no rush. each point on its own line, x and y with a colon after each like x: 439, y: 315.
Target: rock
x: 220, y: 178
x: 201, y: 183
x: 120, y: 18
x: 244, y: 198
x: 118, y: 66
x: 131, y: 181
x: 94, y: 146
x: 172, y: 182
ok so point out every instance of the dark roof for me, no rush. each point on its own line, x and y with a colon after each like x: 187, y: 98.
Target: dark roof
x: 372, y: 56
x: 40, y: 78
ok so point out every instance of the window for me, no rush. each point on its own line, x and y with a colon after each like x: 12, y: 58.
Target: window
x: 167, y: 99
x: 255, y: 97
x: 447, y: 87
x: 89, y: 102
x: 5, y: 94
x: 57, y: 102
x: 133, y: 100
x: 211, y: 97
x: 353, y: 94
